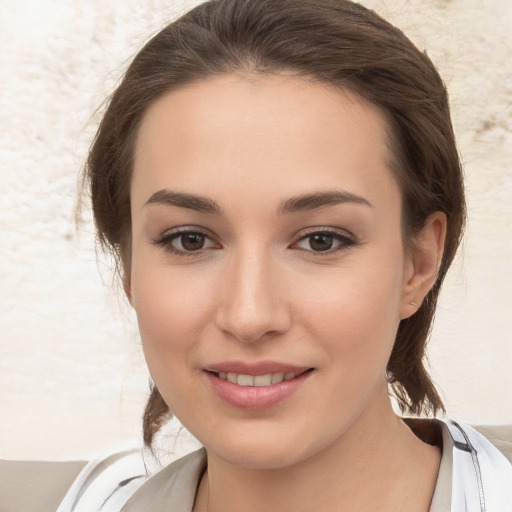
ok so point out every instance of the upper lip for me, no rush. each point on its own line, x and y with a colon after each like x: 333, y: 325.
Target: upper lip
x: 255, y: 368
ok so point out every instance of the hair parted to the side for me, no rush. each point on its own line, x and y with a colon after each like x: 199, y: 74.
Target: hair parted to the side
x: 333, y: 41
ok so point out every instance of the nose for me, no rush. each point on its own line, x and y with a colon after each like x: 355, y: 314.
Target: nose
x: 254, y: 305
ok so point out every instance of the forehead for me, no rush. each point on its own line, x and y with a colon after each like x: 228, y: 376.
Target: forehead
x: 232, y: 130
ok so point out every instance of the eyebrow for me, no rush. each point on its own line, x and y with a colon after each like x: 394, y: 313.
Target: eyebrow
x: 182, y: 200
x: 316, y: 200
x: 304, y: 202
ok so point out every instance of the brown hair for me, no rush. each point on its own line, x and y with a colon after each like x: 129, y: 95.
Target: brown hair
x: 334, y: 41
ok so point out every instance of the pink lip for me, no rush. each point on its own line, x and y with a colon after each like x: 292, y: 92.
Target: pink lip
x: 254, y: 398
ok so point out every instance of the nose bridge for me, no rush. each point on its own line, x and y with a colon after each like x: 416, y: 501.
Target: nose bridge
x: 253, y: 307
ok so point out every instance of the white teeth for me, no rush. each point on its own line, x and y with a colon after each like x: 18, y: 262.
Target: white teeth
x: 245, y: 380
x: 277, y: 378
x: 256, y: 381
x: 263, y: 380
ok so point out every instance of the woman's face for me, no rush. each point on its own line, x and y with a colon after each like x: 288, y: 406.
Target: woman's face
x: 268, y: 270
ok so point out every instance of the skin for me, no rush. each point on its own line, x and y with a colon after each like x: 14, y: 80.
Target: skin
x: 259, y: 290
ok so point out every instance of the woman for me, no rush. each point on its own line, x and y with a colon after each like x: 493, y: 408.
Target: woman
x: 280, y: 185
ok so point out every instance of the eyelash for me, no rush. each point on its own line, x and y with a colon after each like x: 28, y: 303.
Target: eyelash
x: 165, y: 241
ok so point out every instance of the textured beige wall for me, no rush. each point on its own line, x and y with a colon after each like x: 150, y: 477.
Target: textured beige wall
x: 72, y: 381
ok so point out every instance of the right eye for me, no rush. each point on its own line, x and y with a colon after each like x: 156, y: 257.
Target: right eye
x: 185, y: 242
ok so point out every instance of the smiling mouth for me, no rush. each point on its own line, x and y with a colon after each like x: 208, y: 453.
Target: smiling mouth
x: 268, y: 379
x: 256, y: 389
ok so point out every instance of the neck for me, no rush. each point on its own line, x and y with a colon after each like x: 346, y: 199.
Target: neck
x: 377, y: 464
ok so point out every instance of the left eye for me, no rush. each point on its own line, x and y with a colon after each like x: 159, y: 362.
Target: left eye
x: 323, y: 242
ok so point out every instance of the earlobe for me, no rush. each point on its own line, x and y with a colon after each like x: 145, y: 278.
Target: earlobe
x: 425, y: 258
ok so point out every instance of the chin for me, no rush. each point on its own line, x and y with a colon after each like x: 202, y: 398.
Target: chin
x: 273, y: 447
x: 258, y: 455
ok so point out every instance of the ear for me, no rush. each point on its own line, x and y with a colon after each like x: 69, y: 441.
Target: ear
x: 422, y: 263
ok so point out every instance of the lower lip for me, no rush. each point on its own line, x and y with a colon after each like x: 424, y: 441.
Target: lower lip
x: 255, y: 398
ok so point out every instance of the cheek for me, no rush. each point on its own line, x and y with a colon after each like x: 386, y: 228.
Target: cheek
x: 356, y: 313
x: 355, y: 325
x: 172, y: 311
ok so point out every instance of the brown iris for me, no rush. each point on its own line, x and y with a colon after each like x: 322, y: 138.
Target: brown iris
x: 192, y: 241
x: 320, y: 242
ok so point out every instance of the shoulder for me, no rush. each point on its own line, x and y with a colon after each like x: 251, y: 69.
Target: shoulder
x: 492, y: 443
x: 106, y: 483
x: 118, y: 482
x: 29, y: 486
x: 481, y: 474
x: 500, y: 436
x: 123, y: 481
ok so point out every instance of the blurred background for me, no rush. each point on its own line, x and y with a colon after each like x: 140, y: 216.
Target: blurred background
x: 73, y: 382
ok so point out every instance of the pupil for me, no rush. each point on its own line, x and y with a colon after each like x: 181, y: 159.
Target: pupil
x: 192, y: 242
x: 321, y: 242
